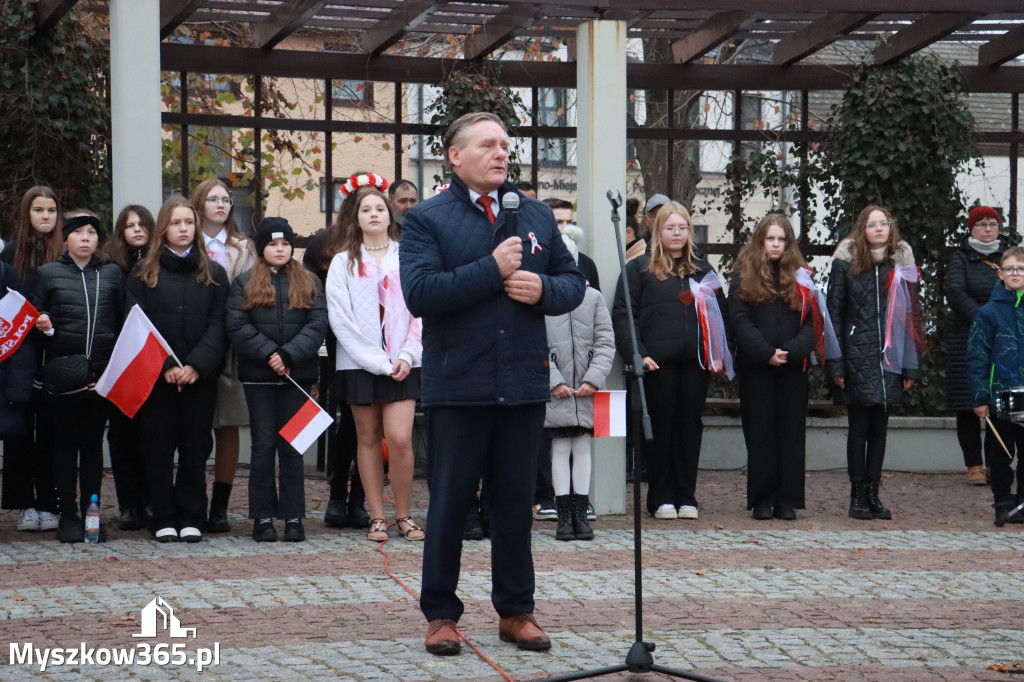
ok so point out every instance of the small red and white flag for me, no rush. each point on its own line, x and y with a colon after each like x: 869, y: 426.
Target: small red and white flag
x: 16, y: 319
x: 609, y: 413
x: 306, y: 426
x: 135, y: 364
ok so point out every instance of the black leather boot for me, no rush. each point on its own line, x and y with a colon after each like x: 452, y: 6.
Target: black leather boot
x: 580, y: 527
x: 859, y: 508
x: 218, y: 521
x: 358, y: 517
x: 336, y: 516
x: 878, y: 510
x: 564, y: 506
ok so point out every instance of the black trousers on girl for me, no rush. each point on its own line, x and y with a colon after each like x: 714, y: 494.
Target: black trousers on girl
x: 773, y: 409
x: 342, y: 455
x: 676, y: 394
x: 865, y: 442
x: 124, y: 438
x: 181, y: 421
x: 78, y: 448
x: 1001, y: 466
x: 968, y: 433
x: 28, y: 461
x: 270, y: 408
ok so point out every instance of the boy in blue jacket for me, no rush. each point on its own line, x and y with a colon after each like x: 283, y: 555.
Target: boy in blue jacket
x: 995, y: 363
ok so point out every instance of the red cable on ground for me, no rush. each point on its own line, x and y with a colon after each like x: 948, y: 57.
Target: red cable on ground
x: 387, y: 561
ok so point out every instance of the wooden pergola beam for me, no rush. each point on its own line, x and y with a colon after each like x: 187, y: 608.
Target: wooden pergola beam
x: 50, y: 12
x: 285, y: 21
x: 1002, y: 49
x: 817, y: 35
x: 920, y: 34
x: 173, y: 13
x: 709, y: 35
x: 397, y: 23
x: 497, y: 31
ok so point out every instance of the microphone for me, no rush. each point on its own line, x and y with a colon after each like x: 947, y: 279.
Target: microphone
x: 510, y: 204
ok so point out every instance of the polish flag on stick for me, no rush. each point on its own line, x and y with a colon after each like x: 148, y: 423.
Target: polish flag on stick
x: 609, y: 413
x: 135, y: 364
x: 307, y: 424
x: 16, y: 319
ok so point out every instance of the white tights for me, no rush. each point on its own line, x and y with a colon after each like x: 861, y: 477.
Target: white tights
x: 561, y: 471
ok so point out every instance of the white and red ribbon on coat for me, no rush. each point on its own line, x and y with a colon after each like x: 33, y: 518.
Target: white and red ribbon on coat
x: 901, y: 337
x: 389, y: 292
x: 813, y: 302
x: 717, y: 357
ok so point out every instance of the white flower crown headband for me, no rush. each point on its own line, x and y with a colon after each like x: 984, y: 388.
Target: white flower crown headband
x: 364, y: 180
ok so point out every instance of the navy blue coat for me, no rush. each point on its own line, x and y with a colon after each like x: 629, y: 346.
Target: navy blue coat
x: 479, y: 346
x: 995, y: 346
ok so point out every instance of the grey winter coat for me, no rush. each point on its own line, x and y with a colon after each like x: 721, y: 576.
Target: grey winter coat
x: 582, y: 348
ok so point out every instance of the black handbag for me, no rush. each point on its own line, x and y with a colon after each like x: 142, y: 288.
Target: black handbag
x: 66, y: 374
x: 72, y: 373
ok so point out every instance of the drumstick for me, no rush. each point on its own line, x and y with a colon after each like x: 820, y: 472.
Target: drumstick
x: 996, y: 434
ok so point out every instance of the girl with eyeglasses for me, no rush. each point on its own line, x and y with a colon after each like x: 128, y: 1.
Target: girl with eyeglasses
x: 677, y: 307
x: 233, y: 251
x: 972, y: 273
x: 872, y: 303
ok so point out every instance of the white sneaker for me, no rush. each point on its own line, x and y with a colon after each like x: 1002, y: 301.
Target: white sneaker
x: 29, y: 519
x: 190, y: 534
x: 687, y: 512
x: 47, y: 521
x: 666, y: 511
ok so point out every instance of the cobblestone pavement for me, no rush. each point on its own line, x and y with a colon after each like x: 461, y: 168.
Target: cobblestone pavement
x: 934, y: 594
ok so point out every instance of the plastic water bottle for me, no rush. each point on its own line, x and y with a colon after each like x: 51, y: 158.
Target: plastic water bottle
x: 92, y: 521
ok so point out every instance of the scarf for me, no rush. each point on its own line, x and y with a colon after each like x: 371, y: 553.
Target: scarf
x: 984, y: 248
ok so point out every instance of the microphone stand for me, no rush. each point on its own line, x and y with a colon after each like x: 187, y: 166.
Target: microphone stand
x: 640, y: 658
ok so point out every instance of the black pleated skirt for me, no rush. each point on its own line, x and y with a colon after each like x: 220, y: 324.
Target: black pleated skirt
x: 359, y: 387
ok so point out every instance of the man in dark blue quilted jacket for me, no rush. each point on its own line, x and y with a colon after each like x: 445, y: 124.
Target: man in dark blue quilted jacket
x: 483, y: 298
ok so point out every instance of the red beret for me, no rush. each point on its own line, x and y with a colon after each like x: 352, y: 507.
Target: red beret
x: 979, y: 212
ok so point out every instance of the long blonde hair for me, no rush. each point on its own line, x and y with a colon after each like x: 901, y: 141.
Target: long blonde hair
x: 149, y: 270
x: 662, y: 263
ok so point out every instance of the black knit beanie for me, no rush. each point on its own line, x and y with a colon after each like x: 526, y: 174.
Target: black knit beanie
x: 270, y: 229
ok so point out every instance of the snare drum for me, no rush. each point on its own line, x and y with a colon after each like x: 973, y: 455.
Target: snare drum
x: 1010, y: 404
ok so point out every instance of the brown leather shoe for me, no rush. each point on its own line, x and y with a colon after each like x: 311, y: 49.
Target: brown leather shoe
x: 442, y: 637
x: 522, y: 629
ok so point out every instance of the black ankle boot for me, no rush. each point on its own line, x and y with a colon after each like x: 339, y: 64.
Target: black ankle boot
x: 336, y: 515
x: 218, y: 521
x: 859, y: 508
x: 580, y: 527
x: 358, y: 517
x: 564, y: 506
x: 878, y: 510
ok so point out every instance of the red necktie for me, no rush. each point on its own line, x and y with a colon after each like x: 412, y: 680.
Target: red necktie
x: 486, y: 203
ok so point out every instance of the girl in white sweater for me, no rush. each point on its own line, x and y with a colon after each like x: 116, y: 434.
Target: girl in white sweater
x: 379, y: 351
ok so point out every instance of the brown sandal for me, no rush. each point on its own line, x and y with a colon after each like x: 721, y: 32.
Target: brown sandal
x: 378, y: 531
x: 411, y: 532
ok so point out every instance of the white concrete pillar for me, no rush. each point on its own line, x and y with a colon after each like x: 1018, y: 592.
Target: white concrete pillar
x: 601, y: 159
x: 135, y: 103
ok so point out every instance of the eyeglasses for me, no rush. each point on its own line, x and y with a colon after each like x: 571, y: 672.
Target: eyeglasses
x: 988, y: 225
x: 675, y: 228
x: 1012, y: 271
x: 883, y: 224
x: 213, y: 201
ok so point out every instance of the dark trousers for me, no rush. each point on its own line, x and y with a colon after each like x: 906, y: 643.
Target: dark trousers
x: 1001, y: 466
x: 270, y: 408
x: 465, y: 442
x: 676, y: 394
x: 181, y: 421
x: 124, y: 438
x: 342, y: 454
x: 865, y: 442
x: 968, y: 433
x: 28, y: 461
x: 78, y: 449
x: 773, y: 409
x: 545, y: 489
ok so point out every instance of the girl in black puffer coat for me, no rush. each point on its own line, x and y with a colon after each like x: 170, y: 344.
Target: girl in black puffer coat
x: 973, y: 271
x: 184, y: 294
x: 127, y: 247
x: 774, y: 336
x: 673, y: 349
x: 79, y: 302
x: 868, y: 267
x: 277, y: 320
